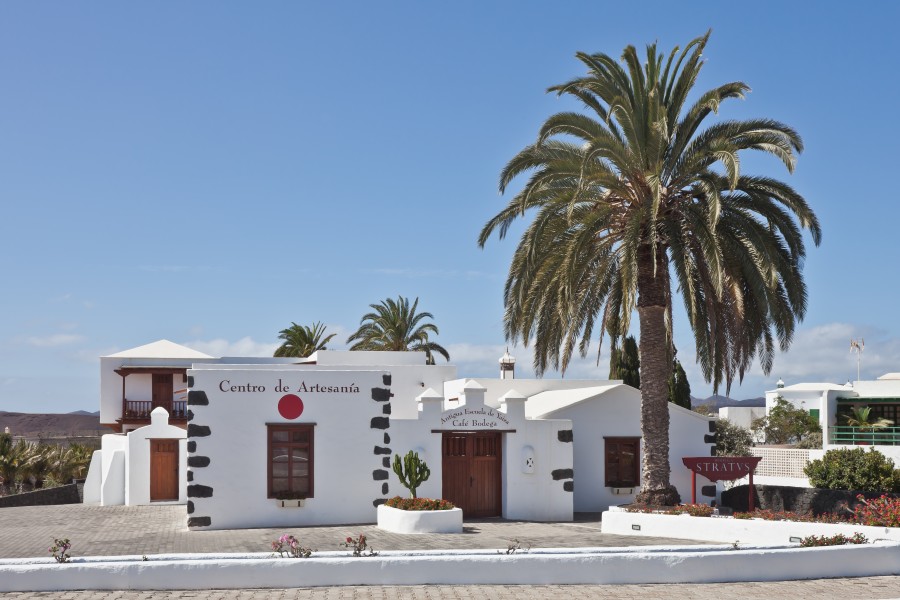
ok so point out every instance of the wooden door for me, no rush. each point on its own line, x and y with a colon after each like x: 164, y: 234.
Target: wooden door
x: 162, y: 391
x: 472, y: 472
x: 163, y: 470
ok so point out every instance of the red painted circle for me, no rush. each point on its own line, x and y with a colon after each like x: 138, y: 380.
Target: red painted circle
x: 290, y: 406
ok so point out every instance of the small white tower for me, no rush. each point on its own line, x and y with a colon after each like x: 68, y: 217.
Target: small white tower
x: 780, y: 384
x: 507, y: 366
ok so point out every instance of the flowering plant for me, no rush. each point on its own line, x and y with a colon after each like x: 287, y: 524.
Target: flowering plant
x: 358, y: 545
x: 60, y: 550
x: 419, y: 503
x: 835, y: 540
x: 695, y: 510
x: 879, y: 512
x: 287, y: 546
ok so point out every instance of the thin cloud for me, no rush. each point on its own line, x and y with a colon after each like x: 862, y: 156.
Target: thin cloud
x: 53, y: 341
x: 165, y: 268
x: 245, y: 346
x: 430, y: 273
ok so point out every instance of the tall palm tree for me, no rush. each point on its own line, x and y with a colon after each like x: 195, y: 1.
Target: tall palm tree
x: 301, y: 341
x: 634, y: 193
x: 395, y: 325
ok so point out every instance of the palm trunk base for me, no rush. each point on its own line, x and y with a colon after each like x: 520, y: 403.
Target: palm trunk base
x: 665, y: 497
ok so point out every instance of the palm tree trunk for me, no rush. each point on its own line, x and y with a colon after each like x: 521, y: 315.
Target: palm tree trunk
x: 656, y: 367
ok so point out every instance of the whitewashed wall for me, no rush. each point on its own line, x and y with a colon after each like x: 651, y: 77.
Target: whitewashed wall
x: 112, y: 460
x: 534, y: 494
x: 137, y: 471
x: 616, y: 413
x: 229, y: 429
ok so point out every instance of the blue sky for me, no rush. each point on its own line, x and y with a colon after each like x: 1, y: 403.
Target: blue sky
x: 208, y: 172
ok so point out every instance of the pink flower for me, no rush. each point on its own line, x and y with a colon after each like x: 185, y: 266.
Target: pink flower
x: 349, y: 540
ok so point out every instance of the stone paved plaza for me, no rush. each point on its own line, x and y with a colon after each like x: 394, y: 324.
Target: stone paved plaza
x: 117, y: 530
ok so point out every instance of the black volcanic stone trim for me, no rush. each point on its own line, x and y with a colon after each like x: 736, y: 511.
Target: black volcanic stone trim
x: 562, y: 474
x: 199, y: 522
x: 378, y: 502
x: 198, y: 430
x: 190, y: 475
x: 197, y: 398
x: 190, y: 381
x: 378, y: 423
x: 386, y: 409
x: 712, y: 426
x: 712, y: 450
x: 379, y: 475
x: 380, y: 450
x: 386, y: 462
x: 709, y: 439
x: 198, y: 461
x: 381, y: 394
x: 386, y: 379
x: 190, y: 415
x: 384, y: 488
x: 192, y: 446
x: 569, y: 486
x: 190, y: 506
x: 709, y: 491
x: 564, y: 435
x: 199, y: 491
x: 387, y: 438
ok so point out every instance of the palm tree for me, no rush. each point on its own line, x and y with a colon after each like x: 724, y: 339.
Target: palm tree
x: 861, y: 418
x: 395, y: 325
x: 634, y: 193
x: 301, y: 341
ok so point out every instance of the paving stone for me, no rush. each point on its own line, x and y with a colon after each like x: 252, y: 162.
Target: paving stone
x: 119, y: 530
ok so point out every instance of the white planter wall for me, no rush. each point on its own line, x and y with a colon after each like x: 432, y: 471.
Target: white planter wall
x: 746, y: 531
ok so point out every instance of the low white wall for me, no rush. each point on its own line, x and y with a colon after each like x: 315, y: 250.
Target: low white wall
x: 552, y: 566
x: 112, y: 490
x: 723, y: 529
x: 94, y: 479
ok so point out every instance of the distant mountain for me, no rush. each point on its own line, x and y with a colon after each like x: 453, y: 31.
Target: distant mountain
x: 719, y: 401
x: 51, y: 425
x: 96, y: 413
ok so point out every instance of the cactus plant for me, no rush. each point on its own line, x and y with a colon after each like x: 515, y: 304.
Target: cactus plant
x: 412, y: 472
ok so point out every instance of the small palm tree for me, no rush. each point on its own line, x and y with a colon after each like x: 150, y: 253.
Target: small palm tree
x: 861, y: 418
x: 395, y: 325
x: 301, y: 341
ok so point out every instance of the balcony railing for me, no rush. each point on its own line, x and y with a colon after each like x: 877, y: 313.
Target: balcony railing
x: 139, y: 410
x: 844, y: 434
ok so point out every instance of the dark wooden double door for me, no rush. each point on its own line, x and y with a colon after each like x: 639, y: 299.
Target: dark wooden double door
x: 472, y: 472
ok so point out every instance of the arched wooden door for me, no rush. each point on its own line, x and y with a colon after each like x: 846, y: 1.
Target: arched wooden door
x: 472, y: 477
x: 163, y: 470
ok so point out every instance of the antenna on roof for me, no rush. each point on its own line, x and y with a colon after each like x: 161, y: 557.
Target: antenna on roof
x: 857, y: 346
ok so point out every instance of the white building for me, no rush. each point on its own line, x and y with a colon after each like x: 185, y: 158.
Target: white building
x: 830, y: 402
x: 318, y: 435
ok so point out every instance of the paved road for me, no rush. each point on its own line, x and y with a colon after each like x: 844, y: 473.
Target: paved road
x: 117, y: 530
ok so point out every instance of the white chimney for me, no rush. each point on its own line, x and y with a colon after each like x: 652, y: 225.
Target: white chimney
x: 507, y: 366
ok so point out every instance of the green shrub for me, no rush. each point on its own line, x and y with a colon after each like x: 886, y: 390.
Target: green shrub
x: 854, y: 469
x: 732, y: 440
x: 811, y: 442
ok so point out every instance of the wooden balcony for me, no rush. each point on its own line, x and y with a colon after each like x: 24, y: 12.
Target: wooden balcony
x: 137, y: 412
